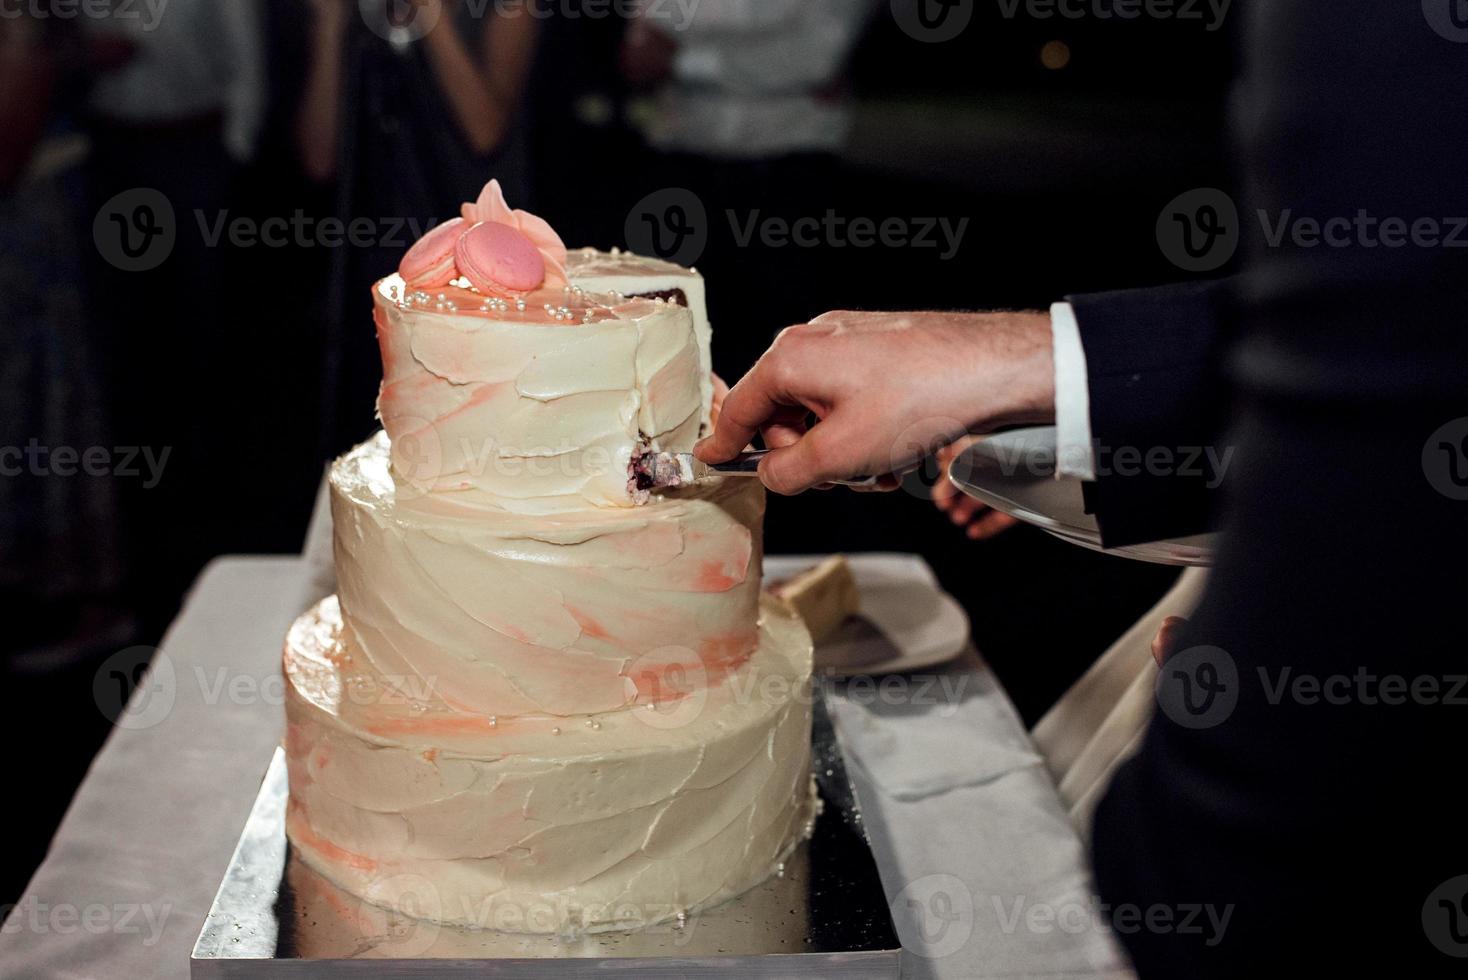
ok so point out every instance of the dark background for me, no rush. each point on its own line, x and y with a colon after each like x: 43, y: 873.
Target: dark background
x: 1060, y: 171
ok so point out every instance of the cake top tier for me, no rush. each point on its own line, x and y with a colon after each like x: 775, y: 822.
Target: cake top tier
x: 504, y: 379
x: 535, y: 405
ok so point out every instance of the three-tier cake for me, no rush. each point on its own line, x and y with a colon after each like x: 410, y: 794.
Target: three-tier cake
x: 534, y: 705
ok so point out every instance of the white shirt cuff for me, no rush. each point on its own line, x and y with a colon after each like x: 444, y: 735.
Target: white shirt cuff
x: 1074, y: 455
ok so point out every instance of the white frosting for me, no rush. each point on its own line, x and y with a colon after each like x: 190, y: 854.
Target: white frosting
x: 509, y: 614
x: 345, y: 927
x: 541, y: 706
x: 547, y: 824
x: 638, y: 275
x: 539, y: 412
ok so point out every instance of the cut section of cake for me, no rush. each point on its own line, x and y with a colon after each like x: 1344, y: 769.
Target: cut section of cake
x: 549, y: 707
x: 641, y: 276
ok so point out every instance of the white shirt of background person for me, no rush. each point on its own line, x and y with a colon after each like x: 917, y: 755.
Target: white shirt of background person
x: 194, y: 57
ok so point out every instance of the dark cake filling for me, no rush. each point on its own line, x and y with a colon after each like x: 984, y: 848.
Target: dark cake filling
x: 671, y: 295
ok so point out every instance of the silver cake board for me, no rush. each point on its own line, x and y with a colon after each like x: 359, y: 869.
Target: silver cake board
x: 826, y: 915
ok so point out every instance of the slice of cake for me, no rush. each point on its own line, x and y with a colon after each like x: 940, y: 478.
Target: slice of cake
x: 824, y: 595
x: 534, y: 706
x: 628, y: 274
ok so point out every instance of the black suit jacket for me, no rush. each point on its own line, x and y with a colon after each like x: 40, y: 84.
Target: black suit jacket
x: 1306, y: 768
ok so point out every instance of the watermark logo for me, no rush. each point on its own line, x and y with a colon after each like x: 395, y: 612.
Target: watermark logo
x: 136, y: 230
x: 400, y: 22
x: 671, y: 223
x: 416, y: 451
x: 1198, y: 231
x: 402, y: 912
x: 941, y: 910
x: 1198, y: 687
x: 1449, y: 18
x: 136, y: 688
x: 933, y: 21
x: 672, y: 687
x: 1445, y: 917
x: 914, y: 455
x: 1445, y: 459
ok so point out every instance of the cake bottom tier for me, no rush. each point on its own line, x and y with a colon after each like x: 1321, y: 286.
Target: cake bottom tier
x: 541, y: 824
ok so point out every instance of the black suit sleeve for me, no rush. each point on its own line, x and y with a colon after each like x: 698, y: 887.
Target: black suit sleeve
x: 1152, y: 366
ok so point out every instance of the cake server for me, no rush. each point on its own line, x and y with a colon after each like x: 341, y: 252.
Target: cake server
x: 666, y: 470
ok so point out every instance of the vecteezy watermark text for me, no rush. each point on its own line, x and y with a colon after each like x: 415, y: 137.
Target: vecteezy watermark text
x: 1210, y: 12
x: 1363, y: 687
x: 1200, y: 230
x: 833, y: 230
x: 403, y: 22
x: 147, y: 12
x: 1207, y: 463
x: 125, y: 462
x: 1093, y: 915
x: 301, y: 230
x: 673, y: 223
x: 95, y: 919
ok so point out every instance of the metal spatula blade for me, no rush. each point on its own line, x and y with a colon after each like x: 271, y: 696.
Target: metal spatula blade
x: 661, y: 471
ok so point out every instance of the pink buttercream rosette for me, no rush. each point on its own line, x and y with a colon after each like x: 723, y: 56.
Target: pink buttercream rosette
x: 500, y: 251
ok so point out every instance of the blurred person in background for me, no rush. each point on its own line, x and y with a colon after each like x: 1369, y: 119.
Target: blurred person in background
x: 751, y: 108
x: 61, y: 570
x: 61, y: 577
x: 407, y: 105
x: 173, y: 108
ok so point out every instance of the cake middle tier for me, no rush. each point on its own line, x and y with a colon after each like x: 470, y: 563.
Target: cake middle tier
x: 578, y: 612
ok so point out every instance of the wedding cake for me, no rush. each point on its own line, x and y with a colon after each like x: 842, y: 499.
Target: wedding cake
x: 536, y: 705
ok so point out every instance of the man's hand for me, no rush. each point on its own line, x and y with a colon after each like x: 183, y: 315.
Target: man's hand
x: 886, y: 389
x: 1169, y: 634
x: 978, y: 520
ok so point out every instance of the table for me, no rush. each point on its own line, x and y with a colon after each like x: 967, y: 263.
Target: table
x: 986, y: 880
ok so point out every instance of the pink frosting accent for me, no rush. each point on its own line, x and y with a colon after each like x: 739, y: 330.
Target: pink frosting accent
x: 497, y: 257
x: 430, y: 262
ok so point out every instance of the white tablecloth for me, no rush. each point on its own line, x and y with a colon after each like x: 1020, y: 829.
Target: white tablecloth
x: 986, y: 880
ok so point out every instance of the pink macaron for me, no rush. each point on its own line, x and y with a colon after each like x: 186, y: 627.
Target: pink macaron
x: 430, y: 262
x: 496, y: 257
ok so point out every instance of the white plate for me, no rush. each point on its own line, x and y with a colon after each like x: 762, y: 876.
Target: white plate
x: 907, y: 621
x: 1014, y: 472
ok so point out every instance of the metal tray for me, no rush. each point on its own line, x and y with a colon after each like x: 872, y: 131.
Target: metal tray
x: 1014, y: 473
x: 826, y: 915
